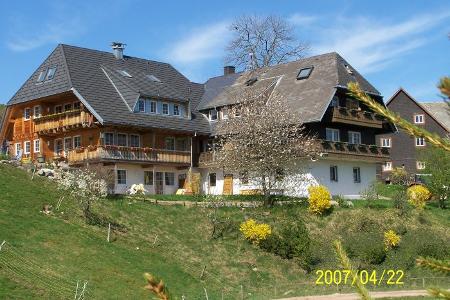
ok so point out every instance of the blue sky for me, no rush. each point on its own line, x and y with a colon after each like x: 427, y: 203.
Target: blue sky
x: 393, y: 43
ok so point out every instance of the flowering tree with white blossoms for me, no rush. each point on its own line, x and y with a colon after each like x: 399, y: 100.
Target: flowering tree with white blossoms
x: 83, y: 184
x: 263, y: 138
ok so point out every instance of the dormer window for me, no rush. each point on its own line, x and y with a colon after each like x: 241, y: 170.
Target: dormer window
x: 304, y: 73
x: 153, y: 107
x: 176, y: 110
x: 165, y: 108
x: 124, y: 73
x: 153, y: 78
x: 141, y: 105
x: 251, y: 81
x: 213, y: 115
x: 51, y: 73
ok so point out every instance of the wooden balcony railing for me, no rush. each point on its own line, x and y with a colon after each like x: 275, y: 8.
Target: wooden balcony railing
x: 342, y: 149
x: 359, y: 151
x: 64, y: 121
x: 117, y: 153
x: 357, y: 117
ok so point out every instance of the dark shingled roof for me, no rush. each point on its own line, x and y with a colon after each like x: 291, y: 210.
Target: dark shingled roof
x: 308, y: 98
x: 93, y: 74
x: 440, y: 111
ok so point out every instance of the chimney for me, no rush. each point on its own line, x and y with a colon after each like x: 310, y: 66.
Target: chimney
x: 227, y: 70
x: 118, y: 49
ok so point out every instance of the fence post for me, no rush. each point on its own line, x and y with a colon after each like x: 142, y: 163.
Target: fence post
x: 109, y: 231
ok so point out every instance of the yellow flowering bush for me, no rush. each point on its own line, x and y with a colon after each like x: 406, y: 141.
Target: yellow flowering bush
x: 391, y: 239
x: 255, y: 232
x: 319, y: 199
x: 418, y: 195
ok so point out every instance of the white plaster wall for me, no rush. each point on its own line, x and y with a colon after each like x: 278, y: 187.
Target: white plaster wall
x: 135, y: 175
x: 310, y: 173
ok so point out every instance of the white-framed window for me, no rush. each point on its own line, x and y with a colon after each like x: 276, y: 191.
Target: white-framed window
x: 148, y: 177
x: 77, y: 142
x: 59, y: 146
x: 153, y: 107
x: 108, y: 138
x: 332, y: 134
x: 354, y: 137
x: 165, y: 108
x: 385, y: 142
x: 420, y: 142
x: 41, y: 76
x: 121, y: 176
x: 169, y: 143
x: 212, y: 179
x: 420, y: 165
x: 176, y: 110
x: 387, y: 166
x: 419, y: 119
x: 68, y: 107
x: 135, y: 140
x: 213, y: 115
x: 333, y: 173
x: 68, y: 143
x: 122, y: 139
x: 58, y: 109
x: 36, y: 111
x: 169, y: 178
x: 356, y: 174
x: 36, y: 146
x: 17, y: 147
x: 141, y: 105
x: 224, y: 112
x: 27, y: 113
x: 26, y: 147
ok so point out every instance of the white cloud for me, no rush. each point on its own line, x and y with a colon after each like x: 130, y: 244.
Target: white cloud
x: 298, y: 19
x: 201, y: 44
x: 50, y: 33
x: 373, y: 45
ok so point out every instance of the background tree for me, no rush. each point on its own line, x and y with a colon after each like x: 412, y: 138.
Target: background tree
x: 263, y: 41
x: 263, y: 139
x: 437, y: 164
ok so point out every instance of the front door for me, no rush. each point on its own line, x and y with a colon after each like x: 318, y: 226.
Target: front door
x: 228, y: 184
x: 159, y: 183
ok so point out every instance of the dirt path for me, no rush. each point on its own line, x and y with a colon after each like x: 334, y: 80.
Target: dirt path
x: 354, y: 296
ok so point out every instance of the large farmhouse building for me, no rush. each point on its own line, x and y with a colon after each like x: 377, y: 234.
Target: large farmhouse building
x: 147, y: 123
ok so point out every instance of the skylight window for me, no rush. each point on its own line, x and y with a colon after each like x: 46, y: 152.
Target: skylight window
x: 51, y: 73
x: 304, y: 73
x: 124, y: 73
x: 349, y: 70
x: 251, y: 81
x: 153, y: 78
x: 41, y: 76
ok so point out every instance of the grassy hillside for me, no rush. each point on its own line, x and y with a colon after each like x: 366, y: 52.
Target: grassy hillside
x: 45, y: 256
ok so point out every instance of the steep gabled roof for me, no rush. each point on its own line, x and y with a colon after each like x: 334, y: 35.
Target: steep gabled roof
x: 308, y: 98
x: 31, y: 89
x: 438, y: 111
x: 93, y: 76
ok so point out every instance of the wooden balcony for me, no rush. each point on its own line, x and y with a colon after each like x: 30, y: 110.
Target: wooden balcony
x: 354, y: 151
x: 356, y: 117
x: 62, y: 122
x: 130, y: 154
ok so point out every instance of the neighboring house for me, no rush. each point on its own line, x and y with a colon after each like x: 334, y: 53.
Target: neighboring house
x: 433, y: 116
x: 147, y: 123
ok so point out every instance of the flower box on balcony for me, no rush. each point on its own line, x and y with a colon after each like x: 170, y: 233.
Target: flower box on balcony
x: 79, y: 150
x: 92, y: 148
x: 147, y: 150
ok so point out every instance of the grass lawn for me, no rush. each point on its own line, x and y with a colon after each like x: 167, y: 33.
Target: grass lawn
x: 46, y: 255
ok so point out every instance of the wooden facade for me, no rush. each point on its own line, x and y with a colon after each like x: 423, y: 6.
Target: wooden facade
x: 61, y: 128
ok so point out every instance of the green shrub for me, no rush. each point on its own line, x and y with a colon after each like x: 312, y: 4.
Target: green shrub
x: 291, y: 242
x: 400, y: 202
x: 400, y: 176
x: 365, y: 247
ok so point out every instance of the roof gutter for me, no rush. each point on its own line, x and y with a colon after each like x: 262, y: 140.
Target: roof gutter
x: 87, y: 105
